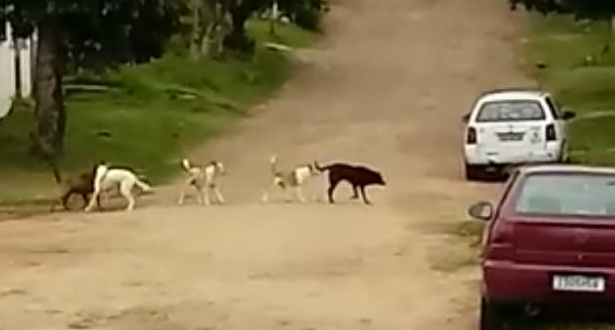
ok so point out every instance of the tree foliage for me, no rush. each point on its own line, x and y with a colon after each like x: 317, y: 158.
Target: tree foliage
x: 74, y: 34
x: 212, y: 18
x: 581, y: 9
x: 595, y: 10
x: 85, y: 33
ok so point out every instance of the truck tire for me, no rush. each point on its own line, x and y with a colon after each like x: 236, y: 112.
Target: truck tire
x: 472, y: 172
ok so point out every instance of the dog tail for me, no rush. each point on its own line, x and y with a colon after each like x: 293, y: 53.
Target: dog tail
x: 144, y: 186
x: 321, y: 168
x: 274, y: 164
x: 185, y: 164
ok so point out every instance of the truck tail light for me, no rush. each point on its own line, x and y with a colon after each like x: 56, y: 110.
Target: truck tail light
x: 471, y: 135
x: 550, y: 133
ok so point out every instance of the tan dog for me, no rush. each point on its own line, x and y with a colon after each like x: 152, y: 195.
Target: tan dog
x: 294, y: 178
x: 203, y: 179
x: 124, y: 179
x: 82, y: 185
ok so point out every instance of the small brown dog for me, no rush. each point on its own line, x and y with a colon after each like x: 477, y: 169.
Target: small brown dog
x: 82, y: 185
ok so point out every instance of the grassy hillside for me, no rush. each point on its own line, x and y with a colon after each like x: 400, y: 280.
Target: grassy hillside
x: 582, y: 78
x: 146, y: 116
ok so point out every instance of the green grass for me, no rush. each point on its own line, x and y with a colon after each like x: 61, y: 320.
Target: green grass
x: 150, y: 116
x: 582, y: 86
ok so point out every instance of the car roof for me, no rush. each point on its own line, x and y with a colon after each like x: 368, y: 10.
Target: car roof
x: 513, y: 93
x: 565, y: 168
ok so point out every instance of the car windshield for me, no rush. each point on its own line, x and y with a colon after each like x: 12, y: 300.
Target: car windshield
x: 512, y: 110
x: 567, y: 195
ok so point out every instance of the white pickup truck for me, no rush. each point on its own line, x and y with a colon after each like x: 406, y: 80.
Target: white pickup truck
x: 512, y: 127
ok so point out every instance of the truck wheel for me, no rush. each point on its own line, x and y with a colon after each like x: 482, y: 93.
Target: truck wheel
x: 472, y: 172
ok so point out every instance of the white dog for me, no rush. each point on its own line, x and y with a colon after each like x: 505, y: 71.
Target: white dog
x: 203, y: 179
x: 107, y: 178
x: 293, y: 178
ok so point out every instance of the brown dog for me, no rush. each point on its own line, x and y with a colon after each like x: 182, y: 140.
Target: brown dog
x: 358, y: 176
x: 82, y: 185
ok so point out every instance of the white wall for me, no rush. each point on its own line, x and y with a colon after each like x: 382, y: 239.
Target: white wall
x: 7, y: 68
x: 8, y: 85
x: 25, y: 70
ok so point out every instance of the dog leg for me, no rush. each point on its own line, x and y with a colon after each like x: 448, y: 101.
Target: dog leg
x: 287, y: 198
x: 199, y: 194
x: 332, y: 185
x: 267, y: 192
x: 182, y: 196
x: 126, y: 191
x: 207, y: 200
x: 131, y: 202
x: 66, y: 196
x: 365, y: 200
x: 93, y: 199
x: 300, y: 194
x: 85, y: 197
x: 219, y: 195
x: 99, y: 199
x: 355, y: 192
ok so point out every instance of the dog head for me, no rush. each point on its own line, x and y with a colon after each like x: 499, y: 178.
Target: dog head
x: 375, y: 177
x: 313, y: 169
x: 220, y: 167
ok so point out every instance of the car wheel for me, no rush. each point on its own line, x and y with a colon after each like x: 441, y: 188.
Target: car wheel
x: 472, y: 172
x: 491, y: 316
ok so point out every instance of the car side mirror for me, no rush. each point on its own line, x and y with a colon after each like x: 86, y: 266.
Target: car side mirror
x: 481, y: 211
x: 567, y: 115
x: 465, y: 118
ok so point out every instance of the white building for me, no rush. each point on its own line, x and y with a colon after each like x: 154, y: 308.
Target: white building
x: 17, y: 79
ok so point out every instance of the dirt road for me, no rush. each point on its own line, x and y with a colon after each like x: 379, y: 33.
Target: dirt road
x: 386, y: 88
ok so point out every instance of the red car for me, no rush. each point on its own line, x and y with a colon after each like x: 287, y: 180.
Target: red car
x: 549, y: 241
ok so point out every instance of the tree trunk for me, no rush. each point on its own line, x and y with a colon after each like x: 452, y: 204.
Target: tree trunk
x: 213, y: 22
x: 238, y: 40
x: 197, y: 30
x: 17, y: 62
x: 239, y: 16
x: 273, y: 18
x: 609, y: 35
x: 50, y: 115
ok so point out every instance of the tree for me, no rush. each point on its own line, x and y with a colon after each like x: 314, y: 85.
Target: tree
x: 208, y: 23
x: 85, y: 32
x: 595, y: 10
x: 218, y: 23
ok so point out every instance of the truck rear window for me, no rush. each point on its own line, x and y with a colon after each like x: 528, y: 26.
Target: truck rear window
x: 567, y: 195
x: 512, y: 110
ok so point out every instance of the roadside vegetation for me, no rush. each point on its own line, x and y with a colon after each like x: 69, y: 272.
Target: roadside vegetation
x: 141, y: 102
x: 567, y: 57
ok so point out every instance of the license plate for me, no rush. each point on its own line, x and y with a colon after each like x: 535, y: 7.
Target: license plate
x: 511, y: 136
x: 578, y: 283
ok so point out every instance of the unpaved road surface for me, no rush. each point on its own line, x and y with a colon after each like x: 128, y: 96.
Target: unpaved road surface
x: 385, y: 88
